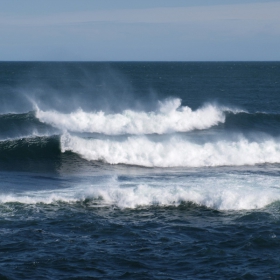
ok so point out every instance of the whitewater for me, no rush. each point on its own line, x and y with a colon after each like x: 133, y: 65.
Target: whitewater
x: 170, y: 117
x: 226, y: 192
x: 175, y: 152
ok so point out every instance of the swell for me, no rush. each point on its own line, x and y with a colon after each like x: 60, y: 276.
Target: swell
x: 30, y: 148
x: 259, y: 121
x: 14, y: 125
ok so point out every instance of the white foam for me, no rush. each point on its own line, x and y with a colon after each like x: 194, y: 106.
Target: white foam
x: 226, y: 192
x: 175, y: 152
x: 171, y: 117
x: 213, y: 196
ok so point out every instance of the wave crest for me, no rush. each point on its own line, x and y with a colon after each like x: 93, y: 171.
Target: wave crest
x: 170, y: 117
x: 174, y: 152
x: 235, y: 193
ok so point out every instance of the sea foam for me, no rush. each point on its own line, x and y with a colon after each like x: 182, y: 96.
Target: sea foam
x: 170, y: 117
x: 226, y: 192
x: 174, y: 152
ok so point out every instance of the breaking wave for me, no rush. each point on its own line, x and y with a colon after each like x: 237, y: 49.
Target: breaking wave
x: 227, y: 192
x: 170, y: 117
x: 174, y: 152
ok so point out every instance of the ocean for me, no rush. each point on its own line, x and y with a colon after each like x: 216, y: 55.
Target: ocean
x: 139, y: 170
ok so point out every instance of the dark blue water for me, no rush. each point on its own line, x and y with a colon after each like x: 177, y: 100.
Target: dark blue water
x: 139, y: 170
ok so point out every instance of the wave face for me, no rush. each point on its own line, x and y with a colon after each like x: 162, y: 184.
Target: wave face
x: 22, y: 125
x: 170, y: 117
x: 34, y: 147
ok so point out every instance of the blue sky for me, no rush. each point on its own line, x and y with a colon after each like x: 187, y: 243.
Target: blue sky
x: 146, y: 30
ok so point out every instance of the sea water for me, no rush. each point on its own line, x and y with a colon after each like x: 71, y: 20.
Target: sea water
x: 131, y: 170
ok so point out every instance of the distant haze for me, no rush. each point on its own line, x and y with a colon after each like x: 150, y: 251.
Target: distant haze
x: 130, y: 30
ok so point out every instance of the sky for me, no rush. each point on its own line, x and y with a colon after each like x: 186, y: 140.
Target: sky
x: 133, y: 30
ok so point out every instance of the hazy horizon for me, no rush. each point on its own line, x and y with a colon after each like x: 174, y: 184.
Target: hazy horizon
x: 140, y: 31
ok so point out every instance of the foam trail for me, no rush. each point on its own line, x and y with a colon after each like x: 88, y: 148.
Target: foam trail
x: 175, y: 152
x: 171, y: 117
x: 224, y: 193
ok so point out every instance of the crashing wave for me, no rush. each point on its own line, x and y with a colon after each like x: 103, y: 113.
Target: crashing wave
x: 170, y: 117
x: 174, y: 152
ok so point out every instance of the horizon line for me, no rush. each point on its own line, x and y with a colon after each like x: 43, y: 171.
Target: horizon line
x: 136, y: 61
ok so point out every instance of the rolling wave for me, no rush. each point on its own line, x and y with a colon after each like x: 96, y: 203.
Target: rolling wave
x: 35, y: 135
x: 22, y: 125
x: 174, y: 152
x: 226, y: 192
x: 30, y: 147
x: 170, y: 117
